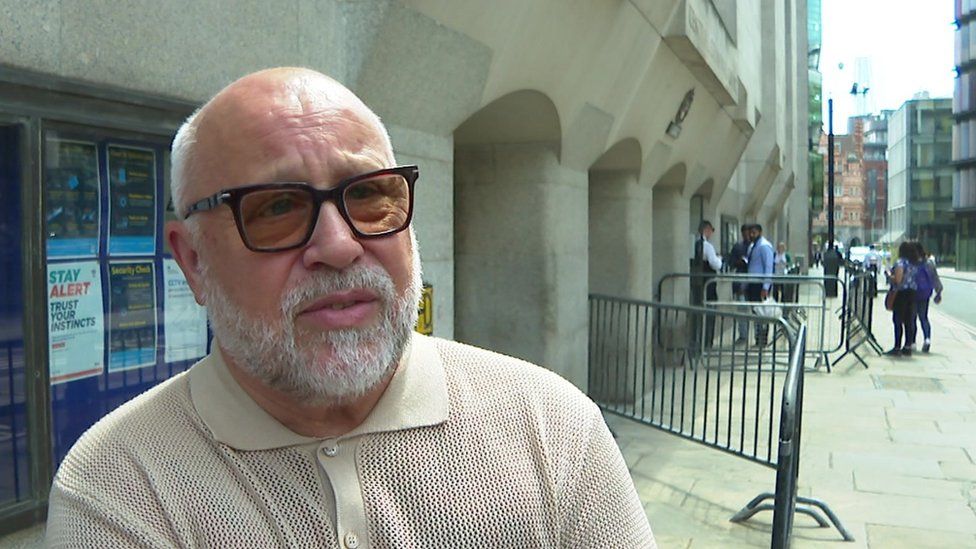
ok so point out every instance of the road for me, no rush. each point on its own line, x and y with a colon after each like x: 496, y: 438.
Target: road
x: 958, y: 300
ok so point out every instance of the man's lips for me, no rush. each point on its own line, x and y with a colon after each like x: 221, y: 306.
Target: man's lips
x: 346, y: 309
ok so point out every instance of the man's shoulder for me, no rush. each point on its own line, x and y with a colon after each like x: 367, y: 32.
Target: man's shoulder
x: 144, y: 426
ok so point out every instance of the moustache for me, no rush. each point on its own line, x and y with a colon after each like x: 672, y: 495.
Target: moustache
x: 322, y: 283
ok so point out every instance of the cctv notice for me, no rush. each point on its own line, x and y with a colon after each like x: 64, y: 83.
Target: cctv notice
x: 75, y: 322
x: 184, y: 322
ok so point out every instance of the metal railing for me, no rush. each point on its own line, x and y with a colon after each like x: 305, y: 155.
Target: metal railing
x: 857, y: 315
x: 13, y: 424
x: 659, y: 365
x: 805, y: 303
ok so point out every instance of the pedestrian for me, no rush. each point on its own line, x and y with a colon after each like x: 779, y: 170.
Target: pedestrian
x: 781, y: 263
x: 902, y: 283
x: 321, y: 419
x: 872, y: 260
x: 739, y: 261
x: 927, y: 281
x: 710, y: 265
x: 760, y: 266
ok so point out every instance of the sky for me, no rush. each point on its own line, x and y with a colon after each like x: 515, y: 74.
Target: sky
x: 909, y: 43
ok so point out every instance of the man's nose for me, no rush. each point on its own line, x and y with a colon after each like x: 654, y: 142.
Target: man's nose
x: 333, y: 242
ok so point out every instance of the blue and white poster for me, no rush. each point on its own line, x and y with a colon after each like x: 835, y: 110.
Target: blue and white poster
x: 132, y: 200
x: 132, y: 315
x: 71, y: 198
x: 75, y: 321
x: 184, y: 321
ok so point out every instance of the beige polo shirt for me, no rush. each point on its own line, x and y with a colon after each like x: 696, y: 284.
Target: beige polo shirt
x: 465, y: 448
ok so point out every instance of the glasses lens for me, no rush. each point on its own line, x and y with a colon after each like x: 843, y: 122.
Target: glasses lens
x: 378, y: 205
x: 276, y: 218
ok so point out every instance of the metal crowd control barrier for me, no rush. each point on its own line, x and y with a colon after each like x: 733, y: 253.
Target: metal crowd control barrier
x: 806, y: 303
x: 13, y: 424
x: 646, y: 364
x: 857, y: 315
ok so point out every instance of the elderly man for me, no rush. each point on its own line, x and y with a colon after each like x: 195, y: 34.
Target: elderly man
x: 321, y: 419
x: 760, y: 263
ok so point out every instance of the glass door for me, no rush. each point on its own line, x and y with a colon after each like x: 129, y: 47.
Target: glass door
x: 15, y: 477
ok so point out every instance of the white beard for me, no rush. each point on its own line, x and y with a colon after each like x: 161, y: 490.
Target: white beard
x: 324, y: 368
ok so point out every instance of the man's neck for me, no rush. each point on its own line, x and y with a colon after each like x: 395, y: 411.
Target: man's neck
x: 310, y: 420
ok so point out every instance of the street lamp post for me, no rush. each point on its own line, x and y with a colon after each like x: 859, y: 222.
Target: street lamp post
x: 830, y: 174
x: 831, y: 259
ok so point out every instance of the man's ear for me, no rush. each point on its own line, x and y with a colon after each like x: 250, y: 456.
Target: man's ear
x: 186, y: 256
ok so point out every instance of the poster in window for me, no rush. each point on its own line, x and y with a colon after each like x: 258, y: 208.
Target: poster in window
x: 184, y: 321
x: 132, y: 315
x: 71, y: 198
x: 132, y: 201
x: 76, y: 332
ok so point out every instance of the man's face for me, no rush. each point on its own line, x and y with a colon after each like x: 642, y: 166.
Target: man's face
x: 325, y: 322
x: 745, y: 235
x: 708, y: 231
x: 754, y: 234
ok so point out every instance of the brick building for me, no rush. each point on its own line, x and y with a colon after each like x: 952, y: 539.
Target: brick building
x: 850, y: 200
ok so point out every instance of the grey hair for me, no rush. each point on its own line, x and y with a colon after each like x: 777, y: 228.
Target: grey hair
x: 181, y: 159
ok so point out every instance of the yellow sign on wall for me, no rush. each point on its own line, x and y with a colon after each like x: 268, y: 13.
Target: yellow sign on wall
x: 425, y: 318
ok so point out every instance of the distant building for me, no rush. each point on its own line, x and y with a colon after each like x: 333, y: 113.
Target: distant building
x: 875, y: 167
x: 920, y: 176
x: 815, y: 160
x: 964, y: 137
x: 850, y: 204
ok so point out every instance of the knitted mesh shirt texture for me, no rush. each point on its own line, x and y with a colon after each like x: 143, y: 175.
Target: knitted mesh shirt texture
x: 523, y: 460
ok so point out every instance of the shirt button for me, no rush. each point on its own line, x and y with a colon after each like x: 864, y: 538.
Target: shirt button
x: 351, y: 540
x: 332, y: 450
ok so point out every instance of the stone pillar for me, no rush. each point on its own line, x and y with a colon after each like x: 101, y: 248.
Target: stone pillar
x: 520, y: 255
x: 672, y: 246
x: 620, y: 230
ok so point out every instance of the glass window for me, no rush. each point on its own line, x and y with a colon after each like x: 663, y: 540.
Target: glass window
x: 136, y: 323
x: 923, y: 154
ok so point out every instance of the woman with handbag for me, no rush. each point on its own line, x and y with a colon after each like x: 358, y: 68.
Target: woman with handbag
x: 926, y: 282
x: 903, y: 309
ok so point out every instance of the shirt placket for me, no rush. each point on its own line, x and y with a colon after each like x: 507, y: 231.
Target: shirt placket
x: 337, y: 457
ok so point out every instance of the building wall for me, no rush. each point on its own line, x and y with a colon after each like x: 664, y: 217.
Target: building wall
x: 512, y: 110
x: 964, y: 137
x: 898, y: 174
x: 920, y: 175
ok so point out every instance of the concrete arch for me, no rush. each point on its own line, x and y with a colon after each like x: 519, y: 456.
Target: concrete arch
x: 624, y: 155
x: 671, y: 241
x: 619, y: 224
x: 705, y: 189
x: 673, y: 179
x: 520, y: 275
x: 524, y: 116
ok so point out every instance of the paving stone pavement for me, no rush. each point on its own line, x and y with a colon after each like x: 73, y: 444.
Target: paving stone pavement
x: 891, y: 449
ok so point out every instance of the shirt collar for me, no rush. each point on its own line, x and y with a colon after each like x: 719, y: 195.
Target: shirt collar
x: 416, y: 397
